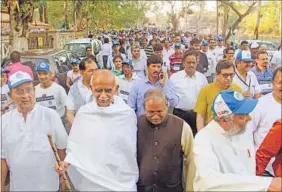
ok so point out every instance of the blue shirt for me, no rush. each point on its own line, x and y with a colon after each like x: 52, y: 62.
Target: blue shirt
x: 140, y: 87
x: 264, y: 79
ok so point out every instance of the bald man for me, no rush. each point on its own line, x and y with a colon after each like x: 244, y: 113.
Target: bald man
x: 101, y: 147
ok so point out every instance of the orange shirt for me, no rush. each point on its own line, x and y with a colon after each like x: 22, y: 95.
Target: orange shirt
x: 271, y: 147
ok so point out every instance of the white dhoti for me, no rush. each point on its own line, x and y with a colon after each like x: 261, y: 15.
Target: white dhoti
x: 102, y: 148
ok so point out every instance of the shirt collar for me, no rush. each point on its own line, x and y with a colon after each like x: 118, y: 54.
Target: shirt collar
x: 148, y: 81
x: 29, y: 113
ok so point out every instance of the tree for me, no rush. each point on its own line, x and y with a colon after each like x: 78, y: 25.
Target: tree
x: 249, y: 6
x: 256, y: 32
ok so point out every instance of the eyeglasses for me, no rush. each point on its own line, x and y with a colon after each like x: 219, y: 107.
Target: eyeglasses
x: 230, y: 53
x: 226, y: 75
x: 20, y: 92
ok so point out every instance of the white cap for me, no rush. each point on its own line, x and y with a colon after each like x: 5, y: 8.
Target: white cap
x: 19, y: 78
x: 254, y: 45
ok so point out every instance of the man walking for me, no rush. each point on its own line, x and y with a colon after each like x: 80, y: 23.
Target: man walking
x: 164, y: 144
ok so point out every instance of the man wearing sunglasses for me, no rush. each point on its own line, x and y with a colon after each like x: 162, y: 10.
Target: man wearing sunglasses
x: 223, y: 80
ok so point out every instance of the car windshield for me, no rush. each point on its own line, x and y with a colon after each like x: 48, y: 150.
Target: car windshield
x: 78, y: 48
x: 36, y: 61
x: 270, y: 46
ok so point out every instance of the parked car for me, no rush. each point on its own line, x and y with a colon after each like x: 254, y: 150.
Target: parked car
x: 78, y: 46
x: 271, y: 47
x: 59, y: 61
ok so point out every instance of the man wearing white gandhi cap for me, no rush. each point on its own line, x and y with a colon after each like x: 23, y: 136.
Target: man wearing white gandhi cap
x: 101, y: 147
x: 224, y: 151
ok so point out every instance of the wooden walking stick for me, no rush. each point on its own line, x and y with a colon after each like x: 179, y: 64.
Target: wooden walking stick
x: 57, y: 157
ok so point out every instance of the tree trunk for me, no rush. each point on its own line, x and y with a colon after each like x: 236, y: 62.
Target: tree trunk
x: 240, y: 18
x: 66, y: 3
x: 256, y: 32
x: 12, y: 6
x: 45, y: 13
x: 225, y: 19
x: 41, y: 10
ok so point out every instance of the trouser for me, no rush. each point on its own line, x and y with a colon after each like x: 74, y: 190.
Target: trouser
x: 65, y: 123
x: 210, y: 78
x: 188, y: 116
x: 156, y: 188
x: 105, y: 61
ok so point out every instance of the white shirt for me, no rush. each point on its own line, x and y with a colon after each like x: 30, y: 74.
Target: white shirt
x: 211, y: 62
x: 26, y: 148
x: 5, y: 98
x: 188, y: 88
x: 250, y: 83
x: 78, y: 96
x: 219, y: 53
x: 73, y: 77
x: 110, y: 63
x: 225, y: 163
x: 140, y: 67
x: 53, y: 97
x: 267, y: 111
x: 276, y: 59
x: 167, y: 53
x: 106, y: 49
x: 125, y: 86
x: 142, y: 54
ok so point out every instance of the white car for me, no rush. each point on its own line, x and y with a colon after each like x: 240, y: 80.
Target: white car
x: 78, y: 46
x: 271, y: 47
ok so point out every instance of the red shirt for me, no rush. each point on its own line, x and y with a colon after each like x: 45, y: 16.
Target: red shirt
x: 176, y: 63
x: 271, y: 147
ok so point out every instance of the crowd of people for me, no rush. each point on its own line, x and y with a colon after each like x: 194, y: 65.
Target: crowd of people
x: 151, y: 112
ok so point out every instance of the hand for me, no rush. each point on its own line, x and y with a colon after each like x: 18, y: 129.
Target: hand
x: 163, y: 79
x: 61, y: 168
x: 247, y: 94
x: 276, y: 184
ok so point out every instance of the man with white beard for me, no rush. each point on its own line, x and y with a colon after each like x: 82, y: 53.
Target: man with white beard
x: 224, y: 154
x: 101, y: 148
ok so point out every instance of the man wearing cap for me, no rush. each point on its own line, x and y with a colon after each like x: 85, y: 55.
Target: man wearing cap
x: 6, y: 102
x: 74, y: 74
x: 254, y: 49
x: 244, y: 46
x: 267, y: 112
x: 26, y: 152
x: 101, y: 150
x: 178, y: 40
x: 116, y: 47
x: 245, y: 78
x: 16, y: 65
x: 126, y: 80
x: 156, y: 78
x: 223, y: 81
x: 263, y: 72
x: 211, y: 61
x: 164, y: 148
x: 176, y: 59
x: 49, y: 93
x: 224, y: 155
x: 80, y: 92
x: 219, y: 49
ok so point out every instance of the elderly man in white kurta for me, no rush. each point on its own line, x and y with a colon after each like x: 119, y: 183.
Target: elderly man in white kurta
x: 101, y: 147
x: 26, y: 152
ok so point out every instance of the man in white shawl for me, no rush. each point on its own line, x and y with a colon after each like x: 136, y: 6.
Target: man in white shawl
x: 101, y: 148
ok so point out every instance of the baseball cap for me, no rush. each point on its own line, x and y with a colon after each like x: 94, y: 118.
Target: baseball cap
x: 4, y: 70
x: 18, y: 78
x: 127, y: 62
x: 177, y: 45
x: 254, y: 45
x: 75, y: 61
x: 204, y: 43
x: 229, y: 102
x: 219, y: 38
x: 244, y: 56
x: 116, y: 43
x: 43, y: 67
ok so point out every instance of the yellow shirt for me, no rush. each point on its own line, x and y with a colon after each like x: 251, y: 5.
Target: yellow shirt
x: 206, y: 97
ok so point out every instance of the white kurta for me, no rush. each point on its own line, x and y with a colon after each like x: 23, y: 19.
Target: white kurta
x: 225, y: 163
x: 102, y: 148
x: 27, y: 151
